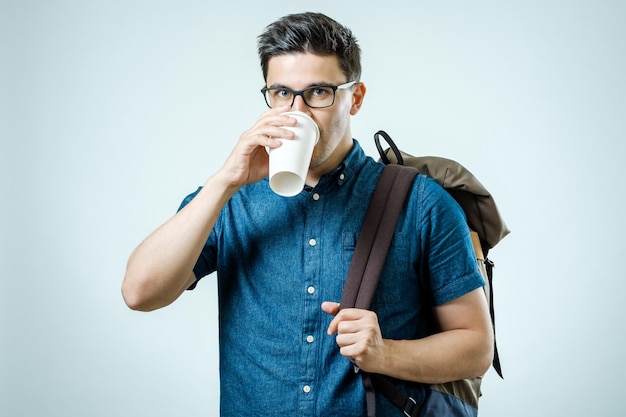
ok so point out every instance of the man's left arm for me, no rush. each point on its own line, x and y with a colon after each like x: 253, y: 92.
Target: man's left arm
x: 463, y: 348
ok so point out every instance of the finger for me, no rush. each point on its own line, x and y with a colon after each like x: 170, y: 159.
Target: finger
x: 330, y: 307
x: 278, y: 110
x: 275, y: 117
x: 332, y: 327
x: 264, y: 136
x: 276, y: 132
x: 271, y: 142
x: 350, y: 326
x: 347, y: 314
x: 354, y: 313
x: 349, y: 345
x: 269, y: 128
x: 355, y: 345
x: 356, y: 355
x: 267, y: 135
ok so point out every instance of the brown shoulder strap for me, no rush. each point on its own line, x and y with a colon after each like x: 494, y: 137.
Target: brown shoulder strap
x: 367, y: 264
x: 376, y: 234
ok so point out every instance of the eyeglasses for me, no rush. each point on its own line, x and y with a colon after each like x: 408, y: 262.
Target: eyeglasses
x: 316, y: 97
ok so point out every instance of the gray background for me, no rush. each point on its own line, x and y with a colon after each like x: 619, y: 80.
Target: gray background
x: 112, y: 111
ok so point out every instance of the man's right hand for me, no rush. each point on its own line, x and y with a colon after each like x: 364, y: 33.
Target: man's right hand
x: 249, y: 162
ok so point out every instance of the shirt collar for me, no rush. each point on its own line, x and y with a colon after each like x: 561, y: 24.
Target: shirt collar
x: 352, y: 163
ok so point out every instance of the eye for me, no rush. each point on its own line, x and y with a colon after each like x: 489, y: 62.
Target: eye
x: 321, y: 92
x: 281, y: 94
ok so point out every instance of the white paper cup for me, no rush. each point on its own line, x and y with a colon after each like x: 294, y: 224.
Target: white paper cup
x: 289, y: 163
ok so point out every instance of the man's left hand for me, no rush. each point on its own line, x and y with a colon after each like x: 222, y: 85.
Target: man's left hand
x: 358, y: 335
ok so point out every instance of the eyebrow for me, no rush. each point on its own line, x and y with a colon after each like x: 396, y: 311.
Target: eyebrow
x: 316, y: 84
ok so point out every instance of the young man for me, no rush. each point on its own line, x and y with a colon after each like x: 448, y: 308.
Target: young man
x: 282, y: 262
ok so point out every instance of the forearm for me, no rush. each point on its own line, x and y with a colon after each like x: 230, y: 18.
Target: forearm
x: 443, y: 357
x: 463, y: 348
x: 160, y: 269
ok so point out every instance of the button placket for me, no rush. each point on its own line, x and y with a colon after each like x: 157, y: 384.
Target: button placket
x: 311, y: 294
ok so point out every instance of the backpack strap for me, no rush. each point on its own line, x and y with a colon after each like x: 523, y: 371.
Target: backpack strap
x: 375, y: 237
x: 496, y: 357
x: 488, y: 277
x: 392, y: 145
x: 367, y: 263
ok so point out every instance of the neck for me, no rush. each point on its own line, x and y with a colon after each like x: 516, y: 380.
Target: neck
x: 339, y: 154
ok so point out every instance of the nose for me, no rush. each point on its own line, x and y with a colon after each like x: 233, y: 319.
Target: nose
x: 300, y: 105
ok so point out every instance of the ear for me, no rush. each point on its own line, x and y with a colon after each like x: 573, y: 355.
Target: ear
x: 357, y: 98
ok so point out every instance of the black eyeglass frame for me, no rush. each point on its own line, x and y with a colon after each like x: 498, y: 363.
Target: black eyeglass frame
x: 300, y: 93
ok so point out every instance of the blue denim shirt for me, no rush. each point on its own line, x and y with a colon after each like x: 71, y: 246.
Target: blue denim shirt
x: 278, y: 258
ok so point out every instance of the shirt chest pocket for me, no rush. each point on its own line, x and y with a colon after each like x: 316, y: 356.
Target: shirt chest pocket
x: 396, y: 277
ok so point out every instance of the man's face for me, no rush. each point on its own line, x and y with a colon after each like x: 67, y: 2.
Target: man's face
x: 299, y: 71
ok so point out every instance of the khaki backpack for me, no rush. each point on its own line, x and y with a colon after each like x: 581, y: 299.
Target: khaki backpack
x: 487, y: 229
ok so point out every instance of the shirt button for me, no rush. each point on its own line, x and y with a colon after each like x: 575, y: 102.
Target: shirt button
x: 342, y: 176
x: 310, y: 339
x: 306, y: 389
x: 316, y: 196
x: 312, y: 242
x: 311, y: 290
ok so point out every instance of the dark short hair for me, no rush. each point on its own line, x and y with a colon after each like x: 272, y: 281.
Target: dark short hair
x: 311, y: 33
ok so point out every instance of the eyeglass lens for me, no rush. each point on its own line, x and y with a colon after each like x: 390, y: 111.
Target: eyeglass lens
x: 313, y: 96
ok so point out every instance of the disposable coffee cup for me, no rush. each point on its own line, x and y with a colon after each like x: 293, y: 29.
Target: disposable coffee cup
x: 289, y: 163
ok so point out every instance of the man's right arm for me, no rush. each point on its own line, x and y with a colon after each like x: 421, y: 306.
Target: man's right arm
x: 161, y: 268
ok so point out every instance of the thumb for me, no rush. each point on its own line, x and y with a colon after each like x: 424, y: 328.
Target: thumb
x: 330, y: 307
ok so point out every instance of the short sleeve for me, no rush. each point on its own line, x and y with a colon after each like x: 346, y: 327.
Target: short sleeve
x: 448, y: 254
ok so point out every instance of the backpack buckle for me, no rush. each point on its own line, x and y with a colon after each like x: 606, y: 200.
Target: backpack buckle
x: 410, y: 407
